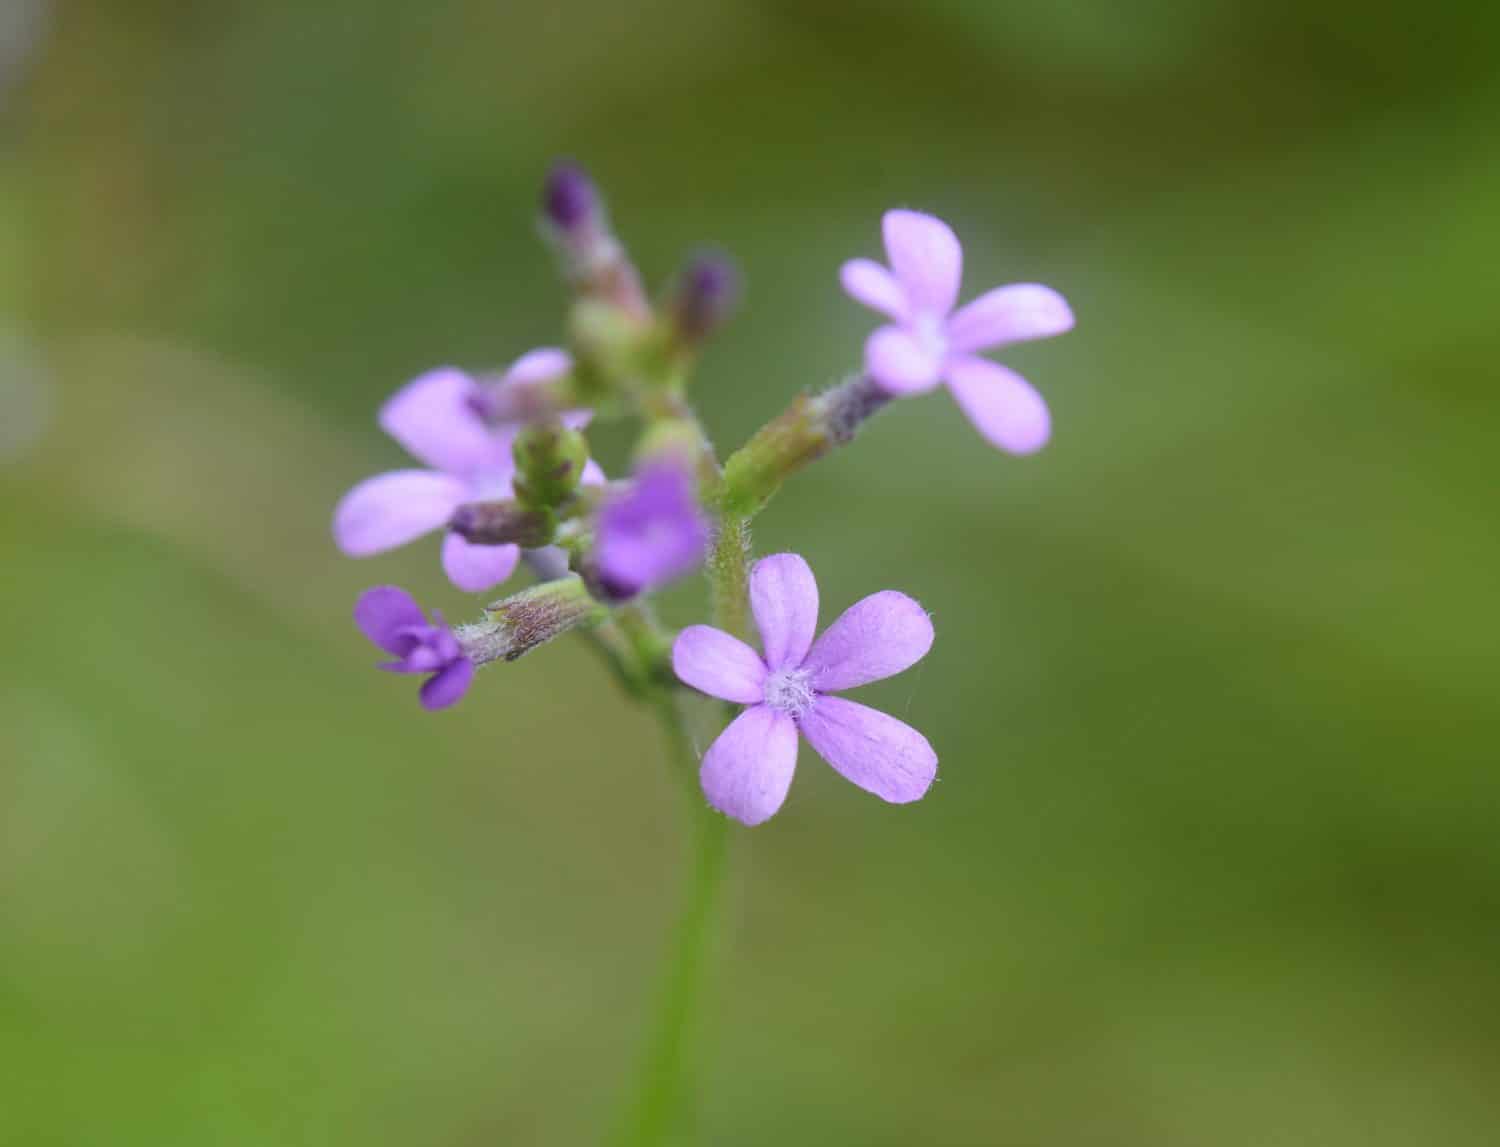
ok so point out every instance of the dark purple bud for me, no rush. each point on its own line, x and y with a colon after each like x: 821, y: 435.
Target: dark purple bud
x: 707, y: 292
x: 569, y: 198
x: 503, y: 523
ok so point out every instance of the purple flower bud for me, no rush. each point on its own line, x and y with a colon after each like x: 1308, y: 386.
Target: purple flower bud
x: 651, y: 533
x: 706, y: 294
x: 389, y: 617
x: 569, y: 198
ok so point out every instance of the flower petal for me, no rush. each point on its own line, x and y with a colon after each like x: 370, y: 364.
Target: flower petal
x: 877, y: 752
x: 540, y: 365
x: 718, y: 664
x: 867, y: 282
x: 475, y: 569
x: 784, y: 599
x: 1013, y: 314
x: 445, y: 687
x: 384, y: 614
x: 876, y: 637
x: 747, y: 771
x: 927, y: 259
x: 1002, y: 405
x: 392, y: 509
x: 900, y: 362
x: 593, y: 474
x: 435, y: 418
x: 651, y: 532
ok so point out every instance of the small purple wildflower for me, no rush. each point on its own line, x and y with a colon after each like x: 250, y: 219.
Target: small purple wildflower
x: 651, y: 533
x: 438, y: 419
x: 747, y: 771
x: 928, y: 342
x: 389, y: 617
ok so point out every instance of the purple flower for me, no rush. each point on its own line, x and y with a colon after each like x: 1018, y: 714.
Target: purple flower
x: 437, y: 418
x: 651, y: 533
x: 927, y: 342
x: 747, y: 771
x: 390, y: 618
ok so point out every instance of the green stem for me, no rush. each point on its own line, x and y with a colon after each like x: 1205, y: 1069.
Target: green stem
x: 801, y: 434
x: 729, y: 574
x: 661, y: 1110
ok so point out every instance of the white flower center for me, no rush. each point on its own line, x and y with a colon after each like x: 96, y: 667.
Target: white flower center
x: 790, y: 691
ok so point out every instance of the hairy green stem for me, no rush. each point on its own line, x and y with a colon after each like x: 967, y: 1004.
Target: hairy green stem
x: 729, y: 574
x: 808, y: 429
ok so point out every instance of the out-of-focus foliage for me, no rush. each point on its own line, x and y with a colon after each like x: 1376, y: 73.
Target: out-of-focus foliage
x: 1213, y: 856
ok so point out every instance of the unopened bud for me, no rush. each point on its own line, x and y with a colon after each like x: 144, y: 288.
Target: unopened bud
x: 570, y: 201
x: 550, y: 458
x: 518, y: 624
x: 502, y: 523
x: 706, y: 294
x: 592, y: 259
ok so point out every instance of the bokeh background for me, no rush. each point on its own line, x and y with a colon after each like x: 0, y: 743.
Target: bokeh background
x: 1215, y: 853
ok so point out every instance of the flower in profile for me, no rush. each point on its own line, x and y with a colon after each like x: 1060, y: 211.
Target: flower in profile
x: 748, y: 769
x: 927, y: 342
x: 651, y: 532
x: 389, y: 617
x: 438, y: 417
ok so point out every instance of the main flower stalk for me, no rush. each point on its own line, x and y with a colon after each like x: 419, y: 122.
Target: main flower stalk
x: 503, y: 473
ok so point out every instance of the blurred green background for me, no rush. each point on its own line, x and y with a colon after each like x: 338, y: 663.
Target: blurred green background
x: 1213, y: 858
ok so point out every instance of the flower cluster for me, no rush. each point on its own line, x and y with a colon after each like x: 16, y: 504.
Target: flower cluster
x: 506, y: 475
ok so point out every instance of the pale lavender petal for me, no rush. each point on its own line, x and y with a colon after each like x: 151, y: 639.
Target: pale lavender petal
x: 540, y: 365
x: 436, y: 419
x: 593, y: 474
x: 475, y: 569
x: 384, y: 614
x: 1002, y: 405
x: 718, y: 664
x: 901, y: 363
x: 445, y: 687
x: 876, y: 637
x: 877, y: 752
x: 392, y: 509
x: 927, y: 259
x: 867, y: 282
x: 784, y: 598
x: 747, y: 771
x: 1006, y: 315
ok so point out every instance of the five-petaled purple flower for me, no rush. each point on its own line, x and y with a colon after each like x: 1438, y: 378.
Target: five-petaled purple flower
x: 748, y: 769
x: 651, y: 533
x: 927, y: 342
x: 389, y: 617
x: 438, y: 419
